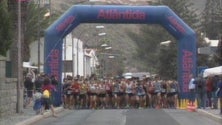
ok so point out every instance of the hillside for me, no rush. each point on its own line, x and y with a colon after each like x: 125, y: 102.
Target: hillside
x: 116, y: 34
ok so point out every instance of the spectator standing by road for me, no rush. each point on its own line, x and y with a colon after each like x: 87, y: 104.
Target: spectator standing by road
x: 215, y: 98
x: 209, y: 89
x: 29, y: 87
x: 54, y: 81
x: 201, y: 92
x: 47, y: 88
x: 37, y: 102
x: 39, y: 82
x: 192, y: 90
x: 55, y: 95
x: 219, y: 93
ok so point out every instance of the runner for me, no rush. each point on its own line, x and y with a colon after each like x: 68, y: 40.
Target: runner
x: 164, y: 94
x: 75, y: 93
x: 122, y: 93
x: 83, y: 94
x: 150, y: 92
x: 67, y: 92
x: 157, y: 93
x: 101, y: 94
x: 140, y: 97
x: 109, y: 95
x: 129, y: 93
x: 172, y: 93
x: 116, y: 93
x: 92, y: 94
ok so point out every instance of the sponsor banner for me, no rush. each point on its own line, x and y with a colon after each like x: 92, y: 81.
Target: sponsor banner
x: 123, y: 14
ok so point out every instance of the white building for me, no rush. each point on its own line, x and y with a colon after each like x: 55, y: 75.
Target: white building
x: 34, y: 53
x: 83, y: 61
x: 91, y: 61
x: 76, y: 59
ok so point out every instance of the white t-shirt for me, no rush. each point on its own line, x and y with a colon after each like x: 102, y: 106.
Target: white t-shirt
x: 37, y: 95
x: 191, y: 84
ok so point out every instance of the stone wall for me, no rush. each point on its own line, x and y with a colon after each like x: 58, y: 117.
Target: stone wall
x: 8, y: 91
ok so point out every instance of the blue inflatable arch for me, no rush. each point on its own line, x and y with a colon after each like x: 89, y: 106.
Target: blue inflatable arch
x: 161, y: 15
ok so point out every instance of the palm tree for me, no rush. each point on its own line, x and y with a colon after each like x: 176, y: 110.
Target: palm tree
x: 32, y: 17
x: 34, y: 24
x: 5, y: 28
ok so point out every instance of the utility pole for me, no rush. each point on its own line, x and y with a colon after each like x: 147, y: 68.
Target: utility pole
x: 39, y: 36
x: 220, y: 50
x: 73, y: 55
x: 77, y: 54
x: 19, y: 75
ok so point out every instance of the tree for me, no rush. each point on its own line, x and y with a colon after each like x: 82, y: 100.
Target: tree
x: 219, y: 51
x: 184, y: 10
x: 168, y: 65
x: 211, y: 28
x: 35, y: 23
x: 168, y: 61
x: 148, y: 47
x: 156, y: 58
x: 5, y: 28
x: 212, y: 19
x: 29, y: 22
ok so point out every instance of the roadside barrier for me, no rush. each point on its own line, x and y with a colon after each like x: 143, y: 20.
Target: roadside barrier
x: 185, y: 105
x: 191, y: 107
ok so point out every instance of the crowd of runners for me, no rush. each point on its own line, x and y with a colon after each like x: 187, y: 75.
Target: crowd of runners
x: 116, y: 93
x: 119, y: 93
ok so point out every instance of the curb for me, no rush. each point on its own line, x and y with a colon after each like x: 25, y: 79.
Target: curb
x: 39, y: 117
x: 210, y: 115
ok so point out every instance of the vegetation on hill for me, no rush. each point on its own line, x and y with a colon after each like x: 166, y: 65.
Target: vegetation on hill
x: 159, y: 59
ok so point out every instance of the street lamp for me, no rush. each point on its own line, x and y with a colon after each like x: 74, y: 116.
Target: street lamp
x: 111, y: 57
x: 100, y: 27
x: 104, y: 45
x: 107, y: 48
x: 101, y: 34
x: 165, y: 43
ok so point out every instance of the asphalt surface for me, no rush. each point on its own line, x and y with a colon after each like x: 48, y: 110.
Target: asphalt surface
x: 28, y: 117
x: 129, y: 117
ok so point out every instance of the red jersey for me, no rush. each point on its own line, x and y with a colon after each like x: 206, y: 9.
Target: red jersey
x: 209, y: 85
x: 76, y: 87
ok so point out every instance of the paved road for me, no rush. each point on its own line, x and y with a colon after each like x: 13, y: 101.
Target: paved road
x: 128, y: 117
